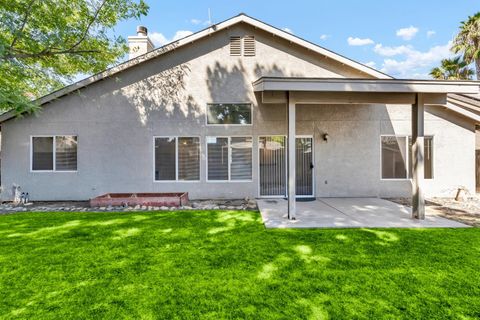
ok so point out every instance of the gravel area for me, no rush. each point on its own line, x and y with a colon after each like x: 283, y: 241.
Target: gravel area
x: 83, y: 206
x: 467, y: 211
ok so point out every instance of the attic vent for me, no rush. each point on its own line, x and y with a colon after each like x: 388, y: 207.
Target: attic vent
x: 235, y: 46
x: 249, y: 46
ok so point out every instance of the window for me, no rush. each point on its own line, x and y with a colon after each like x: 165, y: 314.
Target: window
x: 177, y: 158
x: 395, y: 157
x: 229, y: 113
x: 54, y: 153
x: 427, y: 161
x: 229, y: 159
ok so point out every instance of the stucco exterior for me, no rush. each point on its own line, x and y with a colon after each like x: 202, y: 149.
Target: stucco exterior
x: 116, y: 119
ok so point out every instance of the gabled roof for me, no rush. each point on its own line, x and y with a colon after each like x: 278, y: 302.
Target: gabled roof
x: 241, y: 18
x: 467, y: 105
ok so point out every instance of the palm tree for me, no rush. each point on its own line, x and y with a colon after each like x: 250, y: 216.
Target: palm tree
x: 467, y: 41
x: 452, y: 69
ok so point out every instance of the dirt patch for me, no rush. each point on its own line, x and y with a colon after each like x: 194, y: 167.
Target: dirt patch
x: 467, y: 212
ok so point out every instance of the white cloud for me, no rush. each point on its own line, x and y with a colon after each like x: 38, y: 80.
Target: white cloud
x: 370, y: 64
x: 407, y: 33
x: 288, y: 30
x: 324, y: 36
x: 159, y: 39
x: 359, y: 41
x: 392, y: 51
x: 430, y: 33
x: 199, y: 21
x: 411, y: 62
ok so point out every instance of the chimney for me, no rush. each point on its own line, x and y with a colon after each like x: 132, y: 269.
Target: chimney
x: 139, y: 44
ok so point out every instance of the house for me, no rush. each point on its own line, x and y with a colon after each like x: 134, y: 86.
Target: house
x: 243, y: 109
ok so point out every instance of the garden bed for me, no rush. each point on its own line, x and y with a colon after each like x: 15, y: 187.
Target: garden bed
x: 174, y: 199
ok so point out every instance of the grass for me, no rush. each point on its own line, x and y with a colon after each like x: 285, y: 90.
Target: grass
x: 224, y: 264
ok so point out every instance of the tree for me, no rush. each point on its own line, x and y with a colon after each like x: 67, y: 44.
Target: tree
x: 44, y: 44
x: 467, y: 41
x: 452, y: 69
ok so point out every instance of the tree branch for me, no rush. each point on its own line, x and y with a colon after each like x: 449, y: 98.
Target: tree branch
x: 87, y: 29
x: 24, y: 22
x: 41, y: 54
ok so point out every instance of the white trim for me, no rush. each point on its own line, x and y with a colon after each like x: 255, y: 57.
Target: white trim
x: 364, y: 85
x: 176, y: 160
x: 407, y: 157
x: 229, y: 138
x: 228, y: 124
x: 54, y: 153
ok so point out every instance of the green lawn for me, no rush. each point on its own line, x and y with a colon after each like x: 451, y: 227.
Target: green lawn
x: 224, y: 264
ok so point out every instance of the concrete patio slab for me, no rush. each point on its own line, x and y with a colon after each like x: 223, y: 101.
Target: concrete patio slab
x: 347, y: 213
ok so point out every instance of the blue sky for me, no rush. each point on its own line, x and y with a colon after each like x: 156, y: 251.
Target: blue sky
x: 404, y: 38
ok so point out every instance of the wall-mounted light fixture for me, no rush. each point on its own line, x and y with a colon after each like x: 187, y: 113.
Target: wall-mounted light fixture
x: 325, y: 137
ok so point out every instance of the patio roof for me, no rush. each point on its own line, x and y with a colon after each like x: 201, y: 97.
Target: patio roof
x: 365, y: 85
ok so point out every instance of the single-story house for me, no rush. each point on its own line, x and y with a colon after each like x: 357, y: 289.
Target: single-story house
x: 243, y: 109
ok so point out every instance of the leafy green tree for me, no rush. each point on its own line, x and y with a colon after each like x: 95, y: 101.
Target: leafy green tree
x: 44, y: 44
x: 467, y: 41
x: 452, y: 69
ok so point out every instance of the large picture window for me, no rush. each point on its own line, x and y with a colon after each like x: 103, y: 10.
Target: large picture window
x: 177, y: 158
x: 229, y: 113
x: 54, y: 153
x: 397, y: 153
x: 229, y: 158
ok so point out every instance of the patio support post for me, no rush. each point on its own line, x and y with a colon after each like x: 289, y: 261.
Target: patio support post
x: 418, y: 133
x: 291, y: 157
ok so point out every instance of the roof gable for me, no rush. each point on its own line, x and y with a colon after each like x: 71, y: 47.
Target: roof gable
x: 241, y: 18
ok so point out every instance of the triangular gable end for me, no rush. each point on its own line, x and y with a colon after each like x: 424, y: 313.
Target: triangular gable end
x: 201, y: 34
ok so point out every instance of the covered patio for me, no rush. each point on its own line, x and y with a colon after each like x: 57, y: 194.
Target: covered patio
x: 347, y: 213
x: 413, y: 94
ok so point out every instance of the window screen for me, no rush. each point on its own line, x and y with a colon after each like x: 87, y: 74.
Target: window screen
x: 165, y: 163
x: 42, y: 153
x: 241, y: 166
x: 229, y: 113
x: 217, y: 149
x: 66, y: 153
x: 188, y: 159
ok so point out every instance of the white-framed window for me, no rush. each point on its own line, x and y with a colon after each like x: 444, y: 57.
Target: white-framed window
x: 53, y: 153
x: 229, y: 158
x: 229, y: 114
x: 176, y: 158
x: 396, y: 157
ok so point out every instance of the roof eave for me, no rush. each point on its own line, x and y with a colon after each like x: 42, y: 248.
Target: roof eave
x: 365, y: 85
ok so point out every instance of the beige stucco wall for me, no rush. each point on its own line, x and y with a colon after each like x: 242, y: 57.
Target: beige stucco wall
x: 116, y: 119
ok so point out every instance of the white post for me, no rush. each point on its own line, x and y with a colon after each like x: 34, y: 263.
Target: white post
x: 418, y: 137
x: 291, y: 158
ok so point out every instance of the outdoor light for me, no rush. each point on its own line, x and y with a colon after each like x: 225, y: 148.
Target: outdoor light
x: 325, y: 137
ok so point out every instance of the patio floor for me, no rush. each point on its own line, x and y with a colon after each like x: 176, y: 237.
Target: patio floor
x: 348, y: 213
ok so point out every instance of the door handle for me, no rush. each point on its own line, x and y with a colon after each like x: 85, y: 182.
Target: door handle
x: 311, y: 165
